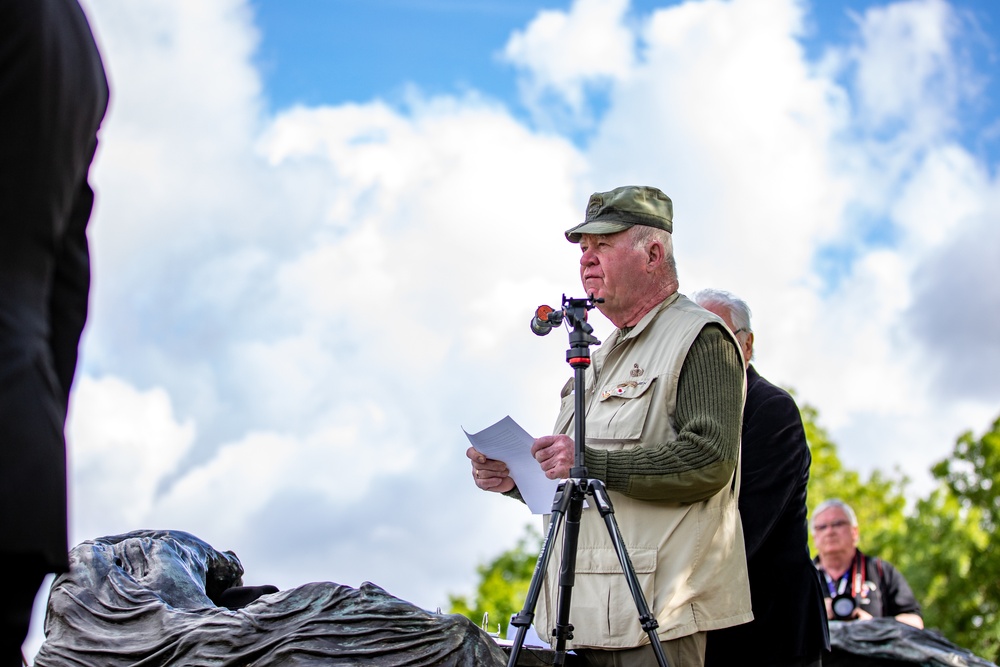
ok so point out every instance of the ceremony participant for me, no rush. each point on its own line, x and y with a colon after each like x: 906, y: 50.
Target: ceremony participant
x: 53, y: 95
x: 789, y: 626
x: 875, y: 587
x: 664, y: 397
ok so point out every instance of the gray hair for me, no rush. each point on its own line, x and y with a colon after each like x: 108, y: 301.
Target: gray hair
x: 828, y: 504
x: 739, y: 311
x: 643, y: 234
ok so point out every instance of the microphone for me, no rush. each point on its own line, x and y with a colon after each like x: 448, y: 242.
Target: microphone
x: 545, y: 318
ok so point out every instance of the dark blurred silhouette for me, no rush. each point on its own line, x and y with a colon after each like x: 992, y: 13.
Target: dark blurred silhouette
x: 53, y: 96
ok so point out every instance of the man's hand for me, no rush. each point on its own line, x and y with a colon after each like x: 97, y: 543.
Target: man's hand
x: 858, y: 615
x: 911, y: 619
x: 555, y: 454
x: 489, y: 474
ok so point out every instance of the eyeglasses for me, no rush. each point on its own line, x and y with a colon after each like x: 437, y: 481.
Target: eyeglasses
x: 741, y: 330
x: 820, y: 527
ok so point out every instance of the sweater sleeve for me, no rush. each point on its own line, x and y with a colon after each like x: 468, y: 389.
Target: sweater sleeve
x: 702, y: 459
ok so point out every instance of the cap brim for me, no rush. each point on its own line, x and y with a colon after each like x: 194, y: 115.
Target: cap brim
x: 596, y: 227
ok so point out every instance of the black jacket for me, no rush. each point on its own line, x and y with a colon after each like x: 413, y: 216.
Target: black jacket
x: 785, y: 589
x: 53, y: 95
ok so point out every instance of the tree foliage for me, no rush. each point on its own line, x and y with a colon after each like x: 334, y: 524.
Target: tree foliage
x: 942, y: 543
x: 955, y: 530
x: 503, y: 583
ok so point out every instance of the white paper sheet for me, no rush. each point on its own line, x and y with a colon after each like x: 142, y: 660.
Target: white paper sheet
x: 506, y: 441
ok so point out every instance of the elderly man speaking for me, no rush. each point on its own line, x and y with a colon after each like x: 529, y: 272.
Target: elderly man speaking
x: 664, y: 399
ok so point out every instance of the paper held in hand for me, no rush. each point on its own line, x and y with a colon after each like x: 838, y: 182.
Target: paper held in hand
x: 506, y: 441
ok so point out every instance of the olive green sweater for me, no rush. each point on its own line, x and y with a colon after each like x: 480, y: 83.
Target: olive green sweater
x: 708, y: 417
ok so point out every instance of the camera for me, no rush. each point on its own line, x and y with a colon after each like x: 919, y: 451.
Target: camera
x: 844, y: 606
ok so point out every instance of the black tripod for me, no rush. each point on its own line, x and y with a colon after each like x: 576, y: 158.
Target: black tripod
x: 569, y: 497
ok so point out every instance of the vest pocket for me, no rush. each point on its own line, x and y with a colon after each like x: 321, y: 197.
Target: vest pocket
x: 604, y: 578
x: 619, y: 414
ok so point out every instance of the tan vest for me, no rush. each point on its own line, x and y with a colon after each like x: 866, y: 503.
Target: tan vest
x: 689, y: 558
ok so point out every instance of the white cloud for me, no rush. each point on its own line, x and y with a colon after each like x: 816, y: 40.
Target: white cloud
x: 945, y: 188
x: 726, y: 117
x: 123, y: 443
x: 954, y: 315
x: 909, y: 67
x: 565, y: 55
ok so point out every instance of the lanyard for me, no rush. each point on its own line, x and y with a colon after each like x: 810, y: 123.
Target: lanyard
x: 854, y: 573
x: 839, y: 587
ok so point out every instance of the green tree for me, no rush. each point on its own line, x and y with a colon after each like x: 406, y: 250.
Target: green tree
x: 503, y: 583
x: 954, y: 560
x: 943, y: 538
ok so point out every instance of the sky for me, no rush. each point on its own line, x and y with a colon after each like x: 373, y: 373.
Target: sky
x: 322, y: 228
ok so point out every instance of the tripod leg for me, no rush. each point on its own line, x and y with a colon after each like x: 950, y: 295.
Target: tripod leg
x: 596, y: 489
x: 523, y: 619
x: 567, y: 571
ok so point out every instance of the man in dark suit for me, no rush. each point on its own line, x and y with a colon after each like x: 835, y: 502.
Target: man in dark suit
x: 53, y: 96
x: 789, y: 627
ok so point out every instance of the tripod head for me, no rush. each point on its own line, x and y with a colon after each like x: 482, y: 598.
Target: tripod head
x: 580, y: 338
x: 574, y: 312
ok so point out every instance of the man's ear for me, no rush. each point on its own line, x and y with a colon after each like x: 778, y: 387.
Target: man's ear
x: 655, y: 255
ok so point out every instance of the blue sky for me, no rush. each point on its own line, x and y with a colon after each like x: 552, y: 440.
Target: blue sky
x: 327, y: 52
x: 315, y: 52
x: 322, y: 227
x: 332, y: 51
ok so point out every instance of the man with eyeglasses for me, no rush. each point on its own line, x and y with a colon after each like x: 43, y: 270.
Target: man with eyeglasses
x: 789, y: 628
x: 858, y: 586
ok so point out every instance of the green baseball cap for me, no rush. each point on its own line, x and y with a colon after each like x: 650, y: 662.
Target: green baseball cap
x: 616, y: 211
